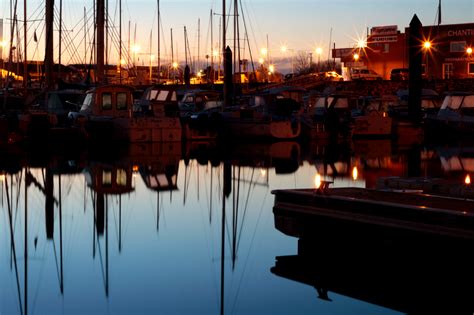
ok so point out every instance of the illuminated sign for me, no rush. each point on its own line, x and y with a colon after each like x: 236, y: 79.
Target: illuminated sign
x: 384, y: 30
x: 465, y: 32
x: 342, y: 52
x: 383, y: 39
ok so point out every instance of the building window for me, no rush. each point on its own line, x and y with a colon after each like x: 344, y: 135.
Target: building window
x: 470, y: 68
x: 386, y: 48
x: 459, y: 46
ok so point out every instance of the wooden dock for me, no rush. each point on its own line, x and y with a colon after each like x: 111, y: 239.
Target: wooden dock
x: 412, y: 211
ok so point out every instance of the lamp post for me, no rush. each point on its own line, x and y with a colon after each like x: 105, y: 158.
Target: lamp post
x: 426, y: 48
x: 284, y: 50
x: 319, y: 51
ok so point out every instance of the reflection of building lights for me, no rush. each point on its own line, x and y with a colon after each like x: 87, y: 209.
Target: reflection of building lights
x: 2, y: 177
x: 355, y: 173
x: 467, y: 180
x: 263, y: 172
x: 317, y: 181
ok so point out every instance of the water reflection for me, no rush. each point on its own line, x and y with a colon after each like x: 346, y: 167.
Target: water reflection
x: 401, y: 269
x: 170, y: 228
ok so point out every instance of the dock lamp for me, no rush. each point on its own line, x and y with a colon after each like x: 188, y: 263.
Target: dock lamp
x: 469, y: 51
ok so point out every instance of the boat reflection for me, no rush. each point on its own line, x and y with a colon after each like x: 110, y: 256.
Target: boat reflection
x: 395, y: 268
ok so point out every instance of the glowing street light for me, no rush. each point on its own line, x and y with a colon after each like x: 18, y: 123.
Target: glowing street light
x: 427, y: 45
x: 271, y: 68
x: 319, y: 51
x: 175, y: 65
x: 261, y: 61
x: 264, y: 51
x: 361, y: 43
x: 469, y: 51
x: 283, y: 49
x: 356, y: 57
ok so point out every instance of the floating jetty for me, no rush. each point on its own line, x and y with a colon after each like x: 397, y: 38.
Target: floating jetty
x: 405, y: 210
x: 407, y: 251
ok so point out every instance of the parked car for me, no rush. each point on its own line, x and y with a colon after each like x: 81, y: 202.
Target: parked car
x: 364, y: 74
x: 333, y: 76
x: 399, y: 74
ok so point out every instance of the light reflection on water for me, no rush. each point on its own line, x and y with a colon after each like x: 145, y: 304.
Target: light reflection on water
x: 145, y: 233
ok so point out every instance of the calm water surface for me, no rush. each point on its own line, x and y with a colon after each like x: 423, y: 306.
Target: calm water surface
x: 171, y: 230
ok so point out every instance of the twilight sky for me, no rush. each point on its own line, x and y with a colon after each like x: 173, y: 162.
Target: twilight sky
x: 300, y: 25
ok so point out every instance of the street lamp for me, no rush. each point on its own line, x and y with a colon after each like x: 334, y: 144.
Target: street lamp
x: 319, y: 51
x: 356, y: 57
x: 469, y: 51
x: 426, y: 46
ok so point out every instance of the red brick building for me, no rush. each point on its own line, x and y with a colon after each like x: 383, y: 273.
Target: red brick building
x: 448, y: 54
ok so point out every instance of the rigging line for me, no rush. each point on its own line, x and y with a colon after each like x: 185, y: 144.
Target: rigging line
x: 68, y: 41
x: 247, y: 37
x: 56, y: 262
x: 239, y: 286
x: 81, y: 29
x: 13, y: 247
x: 245, y: 209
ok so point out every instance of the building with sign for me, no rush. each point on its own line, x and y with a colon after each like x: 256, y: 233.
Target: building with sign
x: 447, y: 51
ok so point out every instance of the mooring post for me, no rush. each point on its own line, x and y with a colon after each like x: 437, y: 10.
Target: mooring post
x: 228, y: 82
x: 415, y: 56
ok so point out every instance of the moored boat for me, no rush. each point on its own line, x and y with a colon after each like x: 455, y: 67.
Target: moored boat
x: 107, y: 114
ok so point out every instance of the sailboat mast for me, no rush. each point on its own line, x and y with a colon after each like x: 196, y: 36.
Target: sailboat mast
x: 199, y: 45
x: 158, y: 32
x: 48, y: 56
x: 212, y: 50
x: 25, y: 40
x: 120, y: 42
x: 185, y: 47
x: 100, y: 40
x: 60, y: 36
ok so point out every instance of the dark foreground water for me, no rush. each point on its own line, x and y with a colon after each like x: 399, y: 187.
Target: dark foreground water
x: 185, y: 230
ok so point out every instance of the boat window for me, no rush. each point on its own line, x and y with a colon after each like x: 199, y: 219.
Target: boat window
x: 106, y: 101
x: 189, y: 99
x: 452, y: 101
x: 468, y: 101
x: 321, y: 102
x: 87, y: 102
x: 106, y: 178
x: 121, y: 100
x: 162, y: 96
x: 341, y: 103
x: 152, y: 94
x: 121, y: 177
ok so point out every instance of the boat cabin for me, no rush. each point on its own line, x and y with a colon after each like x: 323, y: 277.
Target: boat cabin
x: 200, y: 100
x: 462, y: 103
x: 109, y: 100
x: 159, y: 101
